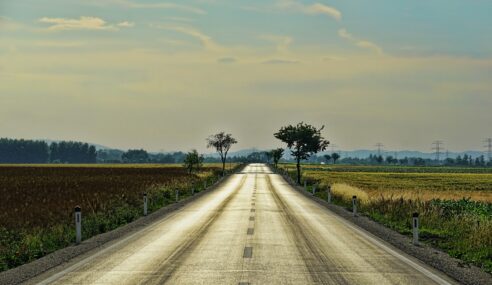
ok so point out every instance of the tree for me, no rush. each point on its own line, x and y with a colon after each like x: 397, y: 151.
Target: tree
x: 193, y: 161
x: 277, y: 155
x: 379, y: 159
x: 222, y: 143
x: 303, y: 140
x: 135, y: 156
x: 335, y: 156
x: 269, y: 155
x: 327, y: 158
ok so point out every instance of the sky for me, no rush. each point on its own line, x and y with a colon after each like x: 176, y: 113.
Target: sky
x: 164, y: 75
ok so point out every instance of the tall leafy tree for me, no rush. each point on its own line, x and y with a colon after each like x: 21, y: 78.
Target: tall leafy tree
x: 303, y: 140
x: 222, y: 143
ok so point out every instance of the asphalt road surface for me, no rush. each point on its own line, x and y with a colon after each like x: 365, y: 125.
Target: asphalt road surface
x: 253, y: 229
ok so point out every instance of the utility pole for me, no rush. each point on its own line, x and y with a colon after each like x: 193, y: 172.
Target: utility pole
x: 488, y: 145
x: 380, y: 147
x: 437, y: 146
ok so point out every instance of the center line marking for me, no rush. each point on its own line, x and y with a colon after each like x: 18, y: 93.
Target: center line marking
x: 251, y: 231
x: 253, y: 210
x: 251, y: 218
x: 248, y: 252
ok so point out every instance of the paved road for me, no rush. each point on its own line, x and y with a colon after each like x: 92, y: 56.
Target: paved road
x: 253, y: 229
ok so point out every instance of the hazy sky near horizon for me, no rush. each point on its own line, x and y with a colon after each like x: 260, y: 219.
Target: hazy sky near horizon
x: 163, y: 75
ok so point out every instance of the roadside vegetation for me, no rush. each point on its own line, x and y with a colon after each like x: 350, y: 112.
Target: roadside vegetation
x: 37, y: 202
x: 455, y: 206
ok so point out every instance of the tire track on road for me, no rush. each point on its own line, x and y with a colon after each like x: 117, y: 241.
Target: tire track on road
x: 306, y: 243
x: 166, y: 269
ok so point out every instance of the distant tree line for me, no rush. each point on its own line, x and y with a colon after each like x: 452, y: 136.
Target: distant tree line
x: 72, y: 152
x: 138, y: 156
x: 23, y: 151
x: 373, y: 159
x: 30, y: 151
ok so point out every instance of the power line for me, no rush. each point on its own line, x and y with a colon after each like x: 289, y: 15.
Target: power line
x: 380, y: 147
x: 488, y: 145
x: 438, y: 146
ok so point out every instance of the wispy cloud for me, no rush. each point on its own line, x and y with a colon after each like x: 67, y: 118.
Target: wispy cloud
x: 281, y: 61
x: 83, y: 23
x: 360, y: 43
x: 126, y: 24
x: 313, y: 9
x: 178, y: 19
x: 227, y: 60
x: 140, y: 5
x: 283, y: 42
x: 207, y: 42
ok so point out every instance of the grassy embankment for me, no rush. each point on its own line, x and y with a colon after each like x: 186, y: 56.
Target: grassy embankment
x: 37, y: 202
x: 455, y: 204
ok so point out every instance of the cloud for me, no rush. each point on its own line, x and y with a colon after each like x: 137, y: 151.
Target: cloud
x: 360, y: 43
x: 333, y: 58
x: 126, y: 24
x: 83, y: 23
x: 280, y: 61
x: 314, y: 9
x: 227, y: 60
x: 283, y: 42
x: 206, y: 41
x: 162, y: 5
x: 178, y: 19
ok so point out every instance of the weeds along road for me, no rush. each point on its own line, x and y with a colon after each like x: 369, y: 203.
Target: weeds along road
x: 254, y: 229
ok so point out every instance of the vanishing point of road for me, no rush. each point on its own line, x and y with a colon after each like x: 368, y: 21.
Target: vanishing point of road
x: 253, y: 229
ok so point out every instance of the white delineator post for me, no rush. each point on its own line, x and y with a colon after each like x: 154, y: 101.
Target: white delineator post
x: 354, y: 206
x: 177, y: 195
x: 145, y: 204
x: 204, y: 185
x: 78, y: 224
x: 193, y: 191
x: 328, y: 192
x: 314, y: 190
x: 415, y: 226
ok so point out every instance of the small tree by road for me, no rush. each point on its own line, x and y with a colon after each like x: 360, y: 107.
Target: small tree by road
x: 193, y: 161
x: 277, y: 155
x: 222, y: 143
x: 303, y: 140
